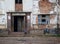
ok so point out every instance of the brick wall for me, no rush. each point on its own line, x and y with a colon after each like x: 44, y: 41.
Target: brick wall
x: 45, y: 6
x: 36, y: 26
x: 52, y: 16
x: 18, y: 7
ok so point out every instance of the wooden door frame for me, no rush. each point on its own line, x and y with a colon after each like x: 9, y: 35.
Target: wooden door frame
x: 12, y: 21
x: 9, y: 16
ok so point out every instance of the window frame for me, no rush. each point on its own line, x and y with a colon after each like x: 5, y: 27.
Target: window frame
x: 46, y: 18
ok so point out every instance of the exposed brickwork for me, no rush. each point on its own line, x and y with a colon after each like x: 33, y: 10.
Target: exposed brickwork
x: 45, y: 6
x: 36, y: 26
x: 37, y: 20
x: 51, y: 26
x: 52, y: 16
x: 18, y: 7
x: 42, y: 26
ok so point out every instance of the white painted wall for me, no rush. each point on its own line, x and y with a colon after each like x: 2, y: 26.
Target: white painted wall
x: 27, y: 5
x: 35, y: 7
x: 53, y: 20
x: 52, y: 1
x: 7, y: 5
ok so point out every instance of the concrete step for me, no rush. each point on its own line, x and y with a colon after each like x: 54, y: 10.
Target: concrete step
x: 16, y: 34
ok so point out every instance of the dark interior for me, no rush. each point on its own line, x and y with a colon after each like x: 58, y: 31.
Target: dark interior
x: 43, y: 20
x: 43, y: 15
x: 18, y: 1
x: 18, y: 23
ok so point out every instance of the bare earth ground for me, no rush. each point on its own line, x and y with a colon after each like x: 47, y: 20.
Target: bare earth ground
x: 29, y: 40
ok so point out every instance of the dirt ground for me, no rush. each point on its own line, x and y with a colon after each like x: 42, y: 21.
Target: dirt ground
x: 29, y: 40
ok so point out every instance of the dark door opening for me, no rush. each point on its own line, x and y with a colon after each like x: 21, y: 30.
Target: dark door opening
x: 18, y: 23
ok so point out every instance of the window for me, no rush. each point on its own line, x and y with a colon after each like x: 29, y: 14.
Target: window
x: 18, y: 1
x: 43, y: 19
x: 43, y: 15
x: 39, y: 20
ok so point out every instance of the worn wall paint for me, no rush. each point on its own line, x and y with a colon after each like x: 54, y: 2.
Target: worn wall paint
x: 46, y: 8
x: 52, y: 1
x: 7, y: 5
x: 40, y: 7
x: 53, y: 19
x: 27, y: 5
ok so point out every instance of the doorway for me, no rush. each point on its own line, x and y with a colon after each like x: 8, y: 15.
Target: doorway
x: 18, y: 23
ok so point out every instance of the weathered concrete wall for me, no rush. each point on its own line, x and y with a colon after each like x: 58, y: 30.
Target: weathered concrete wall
x: 27, y: 5
x: 6, y: 5
x: 45, y: 7
x: 34, y: 6
x: 52, y: 23
x: 3, y: 32
x: 53, y: 19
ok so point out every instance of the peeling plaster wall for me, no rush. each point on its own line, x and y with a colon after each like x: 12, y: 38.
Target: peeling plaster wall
x: 27, y: 5
x: 34, y: 6
x: 53, y: 19
x: 7, y: 5
x: 52, y: 1
x: 44, y: 7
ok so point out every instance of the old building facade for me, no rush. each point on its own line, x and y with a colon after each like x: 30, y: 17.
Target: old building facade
x: 20, y: 15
